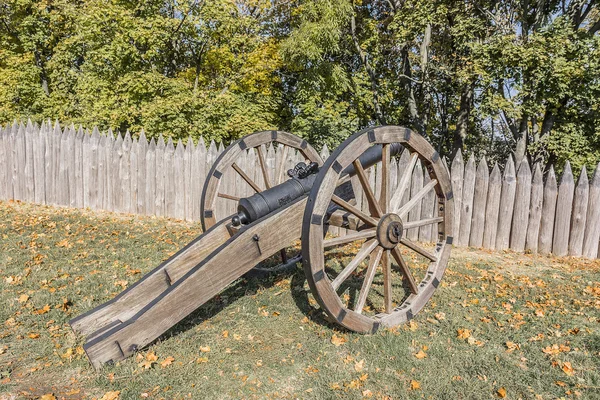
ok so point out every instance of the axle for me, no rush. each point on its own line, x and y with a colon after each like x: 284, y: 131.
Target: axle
x: 302, y: 179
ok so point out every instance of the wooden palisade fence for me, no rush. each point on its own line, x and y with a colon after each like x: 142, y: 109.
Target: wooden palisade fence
x: 70, y: 167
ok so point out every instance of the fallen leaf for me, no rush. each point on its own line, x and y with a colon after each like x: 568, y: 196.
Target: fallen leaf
x: 568, y: 368
x: 415, y: 385
x: 205, y: 349
x: 33, y: 335
x: 43, y: 310
x: 338, y: 340
x: 23, y: 298
x: 359, y: 366
x: 225, y: 334
x: 202, y: 360
x: 167, y: 361
x: 463, y: 333
x: 421, y: 355
x: 501, y: 393
x: 111, y: 395
x: 48, y: 396
x: 367, y: 393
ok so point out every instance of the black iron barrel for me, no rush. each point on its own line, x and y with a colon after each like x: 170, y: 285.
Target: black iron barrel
x: 260, y: 204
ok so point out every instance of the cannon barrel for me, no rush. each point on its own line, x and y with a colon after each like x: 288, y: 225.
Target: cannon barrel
x: 260, y: 204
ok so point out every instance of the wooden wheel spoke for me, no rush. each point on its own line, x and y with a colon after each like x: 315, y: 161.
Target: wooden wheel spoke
x: 282, y: 164
x: 422, y: 222
x: 384, y: 196
x: 365, y: 250
x: 368, y: 280
x: 405, y: 270
x: 411, y: 245
x: 245, y: 177
x: 228, y: 196
x: 353, y: 210
x: 362, y: 177
x: 387, y: 280
x: 416, y: 199
x: 263, y: 167
x: 404, y: 181
x: 366, y: 234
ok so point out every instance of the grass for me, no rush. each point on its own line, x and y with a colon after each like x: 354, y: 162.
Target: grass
x: 489, y: 329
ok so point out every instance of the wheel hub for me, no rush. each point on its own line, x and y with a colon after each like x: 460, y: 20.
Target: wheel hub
x: 389, y: 231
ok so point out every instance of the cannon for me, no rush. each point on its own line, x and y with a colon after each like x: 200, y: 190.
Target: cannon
x: 316, y: 196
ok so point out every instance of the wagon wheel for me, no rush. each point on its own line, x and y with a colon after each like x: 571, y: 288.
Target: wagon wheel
x: 380, y: 235
x: 212, y: 193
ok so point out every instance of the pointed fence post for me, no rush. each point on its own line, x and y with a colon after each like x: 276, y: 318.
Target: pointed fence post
x: 457, y: 174
x: 142, y: 149
x: 564, y: 207
x: 548, y: 213
x: 479, y: 204
x: 535, y: 210
x: 578, y: 219
x: 159, y: 199
x: 151, y: 178
x: 466, y: 212
x: 592, y: 223
x: 178, y: 193
x: 507, y: 203
x: 492, y: 209
x: 520, y: 220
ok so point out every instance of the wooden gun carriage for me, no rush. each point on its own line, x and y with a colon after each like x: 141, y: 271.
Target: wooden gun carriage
x: 316, y: 197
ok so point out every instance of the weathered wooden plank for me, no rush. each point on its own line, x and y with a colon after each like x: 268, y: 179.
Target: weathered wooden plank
x: 169, y: 179
x: 159, y: 199
x: 133, y: 175
x: 592, y: 223
x: 415, y: 187
x: 63, y: 177
x: 93, y: 170
x: 3, y: 167
x: 19, y: 163
x: 457, y: 175
x: 117, y: 175
x: 466, y: 212
x: 564, y: 208
x: 179, y: 182
x: 38, y: 165
x: 150, y: 178
x: 578, y: 219
x: 479, y: 203
x: 426, y: 209
x: 29, y: 162
x: 492, y: 209
x: 198, y: 177
x: 548, y: 213
x: 187, y: 168
x: 507, y: 202
x: 125, y: 174
x: 535, y: 210
x: 518, y: 234
x: 142, y: 149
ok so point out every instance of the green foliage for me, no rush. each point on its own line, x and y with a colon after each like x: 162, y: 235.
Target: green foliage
x: 320, y: 68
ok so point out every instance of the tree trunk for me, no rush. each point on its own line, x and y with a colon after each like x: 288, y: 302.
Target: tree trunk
x: 462, y: 120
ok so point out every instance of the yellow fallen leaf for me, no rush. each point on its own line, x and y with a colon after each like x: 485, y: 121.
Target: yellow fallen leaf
x: 23, y: 298
x: 205, y: 349
x: 501, y: 393
x: 48, y: 396
x: 367, y: 393
x: 43, y: 310
x: 202, y: 360
x: 167, y: 361
x: 33, y: 335
x: 415, y: 385
x: 568, y: 368
x: 463, y: 333
x: 421, y: 355
x: 225, y: 334
x: 338, y: 340
x: 151, y: 356
x: 113, y: 395
x: 359, y: 366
